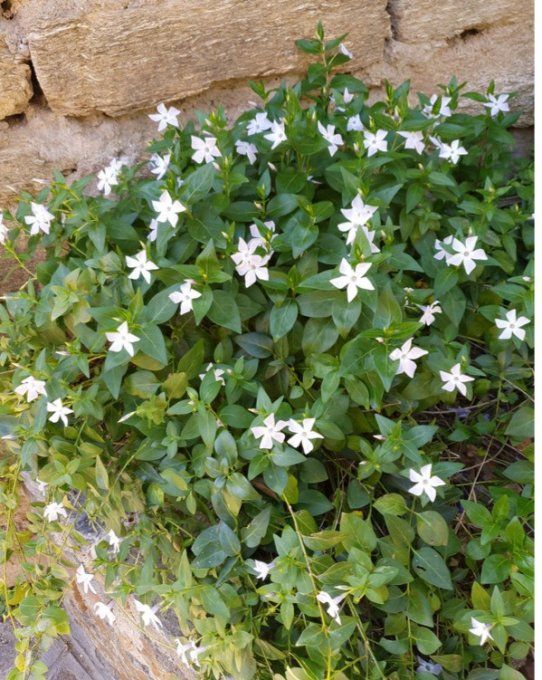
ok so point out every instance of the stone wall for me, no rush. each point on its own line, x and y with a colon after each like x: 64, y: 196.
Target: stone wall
x: 77, y: 77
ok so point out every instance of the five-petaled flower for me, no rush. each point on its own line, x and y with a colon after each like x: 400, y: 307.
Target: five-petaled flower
x: 270, y: 432
x: 354, y: 124
x: 466, y: 254
x: 425, y: 482
x: 358, y: 215
x: 452, y: 152
x: 58, y: 411
x: 413, y: 140
x: 455, y: 380
x: 333, y: 139
x: 495, y: 104
x: 205, y: 149
x: 114, y: 541
x: 39, y: 220
x: 375, y: 141
x: 443, y: 253
x: 218, y: 373
x: 260, y: 123
x: 148, y: 614
x: 53, y: 511
x: 277, y: 134
x: 103, y: 611
x: 31, y: 388
x: 247, y: 149
x: 159, y: 164
x: 353, y: 279
x: 443, y: 110
x: 303, y: 434
x: 122, y: 339
x: 406, y: 355
x: 109, y: 177
x: 168, y: 210
x: 189, y: 652
x: 165, y: 116
x: 249, y: 264
x: 481, y: 630
x: 512, y: 325
x: 140, y: 266
x: 262, y: 569
x: 429, y: 311
x: 185, y: 296
x: 84, y: 579
x: 332, y: 604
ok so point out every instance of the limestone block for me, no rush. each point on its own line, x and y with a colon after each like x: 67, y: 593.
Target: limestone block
x: 15, y: 86
x: 128, y: 57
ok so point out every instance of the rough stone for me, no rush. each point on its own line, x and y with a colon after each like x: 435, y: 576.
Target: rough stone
x: 421, y: 20
x: 99, y: 60
x: 15, y: 84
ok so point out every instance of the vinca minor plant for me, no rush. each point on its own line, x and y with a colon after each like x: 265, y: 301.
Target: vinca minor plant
x: 283, y: 369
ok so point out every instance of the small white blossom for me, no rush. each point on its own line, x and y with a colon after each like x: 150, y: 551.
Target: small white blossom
x: 426, y: 666
x: 189, y: 652
x: 347, y: 96
x: 84, y: 579
x: 269, y: 432
x: 185, y: 297
x: 148, y: 614
x: 413, y: 140
x: 354, y: 124
x: 333, y: 139
x: 406, y: 356
x: 353, y: 279
x: 53, y: 511
x: 303, y: 434
x: 122, y: 339
x: 512, y: 325
x: 429, y: 311
x: 205, y: 149
x: 218, y: 373
x: 168, y: 210
x: 247, y: 149
x: 32, y: 388
x: 165, y: 116
x: 140, y: 266
x: 466, y: 254
x: 455, y: 380
x: 58, y: 411
x: 114, y: 541
x: 442, y: 253
x: 260, y: 240
x: 103, y: 611
x: 425, y: 482
x: 249, y: 264
x: 444, y: 109
x: 153, y: 230
x: 277, y: 134
x: 497, y: 104
x: 4, y: 231
x: 452, y: 152
x: 109, y: 176
x: 260, y: 123
x: 481, y: 630
x: 332, y: 604
x: 358, y: 215
x: 375, y: 141
x: 40, y: 220
x: 159, y: 165
x: 262, y: 569
x: 344, y: 50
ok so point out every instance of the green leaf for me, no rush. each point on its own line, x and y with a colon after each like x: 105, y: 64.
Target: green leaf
x: 254, y: 532
x: 102, y: 478
x: 224, y: 311
x: 282, y: 319
x: 430, y: 567
x: 521, y: 425
x: 432, y: 528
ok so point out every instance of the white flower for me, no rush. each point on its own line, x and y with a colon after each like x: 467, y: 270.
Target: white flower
x: 84, y: 579
x: 425, y: 483
x: 481, y: 630
x: 205, y: 149
x: 260, y: 123
x: 140, y: 266
x: 269, y: 432
x: 512, y: 325
x: 375, y: 141
x: 32, y: 388
x: 277, y: 134
x: 246, y: 149
x: 168, y: 210
x: 332, y: 604
x: 452, y: 152
x: 122, y: 339
x: 40, y: 220
x: 429, y: 312
x: 251, y: 266
x: 185, y: 297
x: 496, y: 104
x: 344, y: 50
x: 109, y: 176
x: 333, y: 139
x: 414, y: 140
x: 262, y: 569
x: 466, y: 254
x: 353, y: 279
x: 4, y: 231
x: 444, y: 110
x: 217, y: 372
x: 347, y: 96
x: 148, y: 615
x: 58, y: 411
x: 114, y: 541
x: 258, y: 239
x: 442, y: 252
x: 103, y: 611
x: 42, y: 486
x: 405, y: 355
x: 189, y: 652
x: 358, y: 215
x: 53, y: 511
x: 426, y: 666
x: 165, y: 116
x: 153, y: 230
x: 354, y: 124
x: 303, y: 434
x: 455, y: 380
x: 159, y: 165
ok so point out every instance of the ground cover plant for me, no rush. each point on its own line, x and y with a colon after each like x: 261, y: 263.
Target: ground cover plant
x: 286, y: 374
